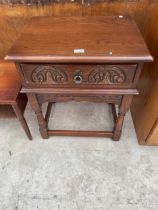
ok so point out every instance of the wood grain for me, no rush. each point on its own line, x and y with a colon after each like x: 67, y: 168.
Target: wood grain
x: 80, y: 33
x: 145, y: 13
x: 10, y: 83
x: 10, y: 96
x: 13, y: 18
x: 95, y: 35
x: 44, y: 75
x: 145, y: 107
x: 153, y: 136
x: 80, y: 133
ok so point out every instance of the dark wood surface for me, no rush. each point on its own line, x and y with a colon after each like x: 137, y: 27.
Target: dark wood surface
x: 145, y: 107
x: 98, y: 36
x: 6, y: 112
x: 81, y: 133
x: 6, y: 109
x: 10, y: 83
x: 70, y: 75
x: 13, y: 19
x: 45, y: 80
x: 12, y: 103
x: 80, y: 92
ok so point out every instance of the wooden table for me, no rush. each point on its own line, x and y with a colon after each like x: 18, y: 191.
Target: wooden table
x: 12, y: 102
x: 95, y: 59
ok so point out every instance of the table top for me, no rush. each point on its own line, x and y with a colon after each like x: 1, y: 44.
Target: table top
x: 10, y: 84
x: 80, y: 39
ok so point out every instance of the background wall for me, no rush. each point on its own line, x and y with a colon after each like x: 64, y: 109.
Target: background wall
x: 15, y: 13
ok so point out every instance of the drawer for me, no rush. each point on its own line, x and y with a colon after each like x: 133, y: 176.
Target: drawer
x: 75, y: 75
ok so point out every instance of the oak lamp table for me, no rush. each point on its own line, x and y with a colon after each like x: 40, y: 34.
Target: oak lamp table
x: 95, y: 59
x: 12, y: 102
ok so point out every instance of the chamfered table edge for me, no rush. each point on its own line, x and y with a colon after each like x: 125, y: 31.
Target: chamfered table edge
x: 80, y: 92
x: 79, y: 59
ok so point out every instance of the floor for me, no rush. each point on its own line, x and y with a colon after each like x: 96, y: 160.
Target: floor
x: 72, y: 173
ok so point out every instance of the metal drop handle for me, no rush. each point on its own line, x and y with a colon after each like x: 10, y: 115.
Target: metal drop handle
x: 78, y: 77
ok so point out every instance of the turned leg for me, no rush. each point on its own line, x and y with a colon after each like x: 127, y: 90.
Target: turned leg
x: 22, y: 120
x: 124, y: 107
x: 37, y: 109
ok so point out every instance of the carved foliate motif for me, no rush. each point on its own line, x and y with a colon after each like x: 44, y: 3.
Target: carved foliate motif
x: 48, y: 74
x: 103, y: 75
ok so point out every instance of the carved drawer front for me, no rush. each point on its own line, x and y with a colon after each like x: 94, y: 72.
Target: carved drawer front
x: 75, y: 75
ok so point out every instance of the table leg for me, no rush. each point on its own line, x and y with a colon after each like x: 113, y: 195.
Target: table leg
x: 22, y: 120
x: 48, y: 112
x: 124, y: 107
x: 37, y: 109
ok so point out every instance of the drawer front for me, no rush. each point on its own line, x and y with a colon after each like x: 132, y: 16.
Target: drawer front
x: 73, y: 75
